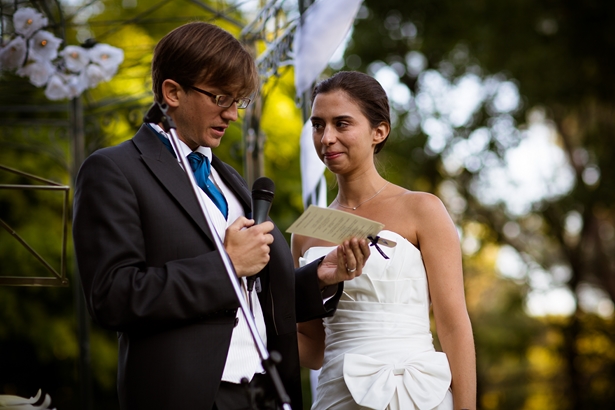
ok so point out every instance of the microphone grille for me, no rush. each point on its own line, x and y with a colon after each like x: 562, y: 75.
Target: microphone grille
x: 263, y: 188
x: 263, y: 183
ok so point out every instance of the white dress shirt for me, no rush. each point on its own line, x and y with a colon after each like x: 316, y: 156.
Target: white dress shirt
x: 243, y: 359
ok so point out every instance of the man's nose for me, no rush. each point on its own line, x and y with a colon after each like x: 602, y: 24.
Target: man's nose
x: 231, y: 113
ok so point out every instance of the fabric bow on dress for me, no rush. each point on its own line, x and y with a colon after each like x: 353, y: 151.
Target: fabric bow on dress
x: 425, y: 377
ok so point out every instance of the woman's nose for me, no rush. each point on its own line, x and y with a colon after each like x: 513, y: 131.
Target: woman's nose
x: 328, y: 136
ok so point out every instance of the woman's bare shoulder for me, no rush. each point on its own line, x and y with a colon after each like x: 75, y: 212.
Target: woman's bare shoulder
x: 418, y: 195
x: 412, y: 212
x: 420, y: 203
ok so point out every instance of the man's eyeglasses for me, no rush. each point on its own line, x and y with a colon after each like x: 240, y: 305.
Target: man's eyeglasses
x: 224, y: 101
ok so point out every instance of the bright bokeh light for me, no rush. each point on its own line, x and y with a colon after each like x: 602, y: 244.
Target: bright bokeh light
x: 510, y: 264
x: 416, y: 62
x: 535, y: 170
x: 398, y: 93
x: 454, y: 102
x: 558, y: 301
x: 506, y: 98
x: 595, y: 300
x: 547, y: 296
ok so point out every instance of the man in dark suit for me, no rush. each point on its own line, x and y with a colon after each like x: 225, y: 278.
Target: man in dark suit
x: 149, y: 267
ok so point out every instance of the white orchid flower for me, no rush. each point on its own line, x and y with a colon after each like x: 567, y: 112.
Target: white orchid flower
x: 19, y: 403
x: 76, y: 85
x: 75, y: 58
x: 94, y: 75
x: 107, y: 57
x: 32, y: 53
x: 56, y: 88
x: 28, y: 21
x: 13, y: 54
x: 44, y: 46
x: 38, y: 72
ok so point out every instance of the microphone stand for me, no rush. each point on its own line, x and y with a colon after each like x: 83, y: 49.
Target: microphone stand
x: 158, y: 114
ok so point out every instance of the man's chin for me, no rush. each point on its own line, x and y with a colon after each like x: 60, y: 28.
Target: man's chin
x: 212, y: 142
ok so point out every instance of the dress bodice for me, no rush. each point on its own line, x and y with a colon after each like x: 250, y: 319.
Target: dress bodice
x: 379, y: 350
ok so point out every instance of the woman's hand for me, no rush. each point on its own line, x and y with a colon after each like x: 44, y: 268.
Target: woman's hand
x: 343, y: 263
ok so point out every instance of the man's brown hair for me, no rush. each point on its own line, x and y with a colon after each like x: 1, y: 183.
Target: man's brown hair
x: 200, y: 52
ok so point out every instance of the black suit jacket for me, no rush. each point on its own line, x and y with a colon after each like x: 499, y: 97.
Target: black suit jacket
x: 150, y: 271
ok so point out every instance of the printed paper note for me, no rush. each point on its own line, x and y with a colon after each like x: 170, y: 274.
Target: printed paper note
x: 335, y: 226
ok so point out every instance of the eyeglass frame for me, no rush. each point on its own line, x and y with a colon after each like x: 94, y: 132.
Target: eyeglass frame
x: 217, y: 98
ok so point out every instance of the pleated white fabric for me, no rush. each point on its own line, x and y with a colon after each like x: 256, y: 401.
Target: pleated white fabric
x: 379, y: 349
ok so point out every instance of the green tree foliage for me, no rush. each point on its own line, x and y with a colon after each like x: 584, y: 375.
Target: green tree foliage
x: 38, y: 343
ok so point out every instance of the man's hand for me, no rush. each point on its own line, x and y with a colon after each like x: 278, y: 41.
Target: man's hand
x: 343, y: 263
x: 248, y: 248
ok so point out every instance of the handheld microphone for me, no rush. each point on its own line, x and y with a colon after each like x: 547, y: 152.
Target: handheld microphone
x: 262, y: 195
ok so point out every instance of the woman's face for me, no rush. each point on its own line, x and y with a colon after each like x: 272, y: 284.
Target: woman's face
x: 343, y: 137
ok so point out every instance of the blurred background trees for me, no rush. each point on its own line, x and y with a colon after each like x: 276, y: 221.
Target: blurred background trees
x: 503, y: 109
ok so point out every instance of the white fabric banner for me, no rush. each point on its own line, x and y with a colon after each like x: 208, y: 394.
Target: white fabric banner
x: 323, y: 27
x: 314, y: 185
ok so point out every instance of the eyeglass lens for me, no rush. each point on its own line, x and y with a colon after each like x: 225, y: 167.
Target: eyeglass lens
x: 227, y: 100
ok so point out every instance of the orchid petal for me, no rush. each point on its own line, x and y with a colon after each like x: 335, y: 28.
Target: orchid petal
x: 107, y: 57
x: 56, y: 88
x: 44, y: 46
x: 13, y: 54
x: 28, y: 21
x: 75, y: 58
x: 38, y: 72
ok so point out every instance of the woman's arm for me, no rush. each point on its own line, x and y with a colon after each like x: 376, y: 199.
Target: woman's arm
x: 439, y: 244
x: 311, y: 334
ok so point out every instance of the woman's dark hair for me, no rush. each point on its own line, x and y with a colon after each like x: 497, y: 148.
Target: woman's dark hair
x: 202, y: 52
x: 365, y: 91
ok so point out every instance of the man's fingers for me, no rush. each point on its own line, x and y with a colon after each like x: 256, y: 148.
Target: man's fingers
x: 240, y: 223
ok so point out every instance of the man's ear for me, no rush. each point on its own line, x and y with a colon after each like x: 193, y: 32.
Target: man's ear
x: 381, y: 132
x: 171, y: 91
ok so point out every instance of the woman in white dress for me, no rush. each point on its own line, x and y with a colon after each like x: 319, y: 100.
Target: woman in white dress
x: 376, y: 351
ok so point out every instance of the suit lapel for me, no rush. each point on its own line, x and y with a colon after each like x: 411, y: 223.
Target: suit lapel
x: 166, y: 169
x: 234, y: 181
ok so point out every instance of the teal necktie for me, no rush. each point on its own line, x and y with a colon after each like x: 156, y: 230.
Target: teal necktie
x: 202, y: 169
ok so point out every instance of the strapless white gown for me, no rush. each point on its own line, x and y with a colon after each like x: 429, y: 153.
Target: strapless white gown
x: 379, y: 350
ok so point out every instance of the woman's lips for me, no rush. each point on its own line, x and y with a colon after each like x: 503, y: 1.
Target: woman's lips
x: 332, y: 155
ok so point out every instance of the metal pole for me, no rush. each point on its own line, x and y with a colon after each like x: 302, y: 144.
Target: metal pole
x: 253, y: 143
x: 307, y: 95
x: 83, y: 323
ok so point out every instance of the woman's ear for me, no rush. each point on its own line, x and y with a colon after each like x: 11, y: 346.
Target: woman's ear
x: 171, y: 91
x: 381, y: 132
